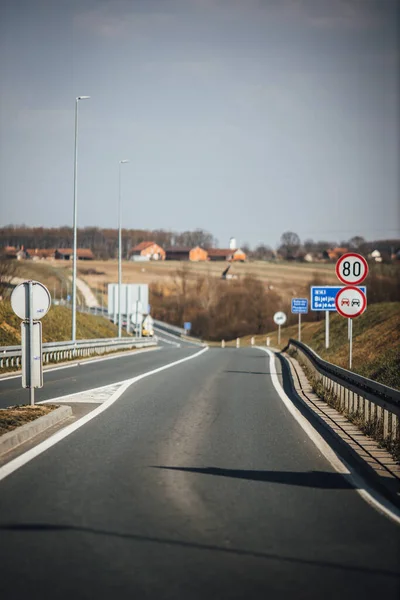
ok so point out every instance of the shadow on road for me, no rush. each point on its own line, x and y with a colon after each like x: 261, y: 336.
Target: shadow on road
x: 250, y: 372
x: 313, y: 479
x: 30, y: 528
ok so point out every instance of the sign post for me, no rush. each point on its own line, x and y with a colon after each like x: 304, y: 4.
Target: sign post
x: 351, y: 269
x: 299, y: 306
x: 30, y: 301
x: 351, y: 301
x: 187, y: 326
x: 323, y: 299
x: 327, y: 329
x: 279, y: 319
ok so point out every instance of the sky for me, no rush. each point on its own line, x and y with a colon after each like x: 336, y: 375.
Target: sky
x: 245, y: 118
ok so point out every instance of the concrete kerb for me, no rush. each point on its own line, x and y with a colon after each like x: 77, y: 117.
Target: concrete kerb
x: 14, y: 438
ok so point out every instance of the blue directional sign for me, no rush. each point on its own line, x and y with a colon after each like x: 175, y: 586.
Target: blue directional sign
x: 300, y: 306
x: 323, y: 297
x: 187, y: 326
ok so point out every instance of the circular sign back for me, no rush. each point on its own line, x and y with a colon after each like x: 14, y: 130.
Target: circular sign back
x: 351, y: 268
x: 280, y: 318
x: 41, y: 300
x: 350, y: 302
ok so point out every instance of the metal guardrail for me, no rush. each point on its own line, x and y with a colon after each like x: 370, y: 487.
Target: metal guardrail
x: 370, y: 401
x: 179, y: 331
x: 10, y: 356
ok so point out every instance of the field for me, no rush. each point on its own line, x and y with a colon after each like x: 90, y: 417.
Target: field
x: 285, y: 278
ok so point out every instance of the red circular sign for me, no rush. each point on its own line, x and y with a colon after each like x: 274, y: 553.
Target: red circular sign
x: 351, y: 268
x: 350, y: 302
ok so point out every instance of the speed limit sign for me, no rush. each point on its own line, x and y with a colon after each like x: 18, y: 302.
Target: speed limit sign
x: 351, y: 268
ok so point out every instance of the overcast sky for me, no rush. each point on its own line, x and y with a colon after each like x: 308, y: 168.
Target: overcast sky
x: 243, y: 117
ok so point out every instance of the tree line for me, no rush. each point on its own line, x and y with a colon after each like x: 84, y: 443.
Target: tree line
x: 102, y: 242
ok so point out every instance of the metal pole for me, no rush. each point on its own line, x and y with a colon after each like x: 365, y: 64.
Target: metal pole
x: 75, y: 219
x: 327, y: 329
x: 299, y: 336
x: 279, y: 335
x: 119, y: 253
x: 121, y: 162
x: 351, y: 343
x: 31, y: 359
x: 349, y: 328
x: 73, y: 336
x: 128, y: 311
x: 137, y: 319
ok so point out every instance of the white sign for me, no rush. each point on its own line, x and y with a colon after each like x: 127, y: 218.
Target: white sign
x: 130, y: 293
x: 137, y: 315
x: 351, y: 268
x: 351, y: 302
x: 41, y: 300
x: 280, y: 318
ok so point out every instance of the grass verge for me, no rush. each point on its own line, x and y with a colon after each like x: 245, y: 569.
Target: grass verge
x: 15, y: 416
x: 376, y: 342
x: 372, y: 426
x: 56, y: 326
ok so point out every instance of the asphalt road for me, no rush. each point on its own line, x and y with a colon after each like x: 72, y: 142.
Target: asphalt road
x: 91, y: 374
x: 196, y: 483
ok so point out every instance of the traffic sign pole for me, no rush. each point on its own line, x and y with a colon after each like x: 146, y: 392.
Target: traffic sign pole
x: 299, y: 336
x: 31, y: 365
x: 351, y: 343
x: 279, y: 335
x: 327, y: 329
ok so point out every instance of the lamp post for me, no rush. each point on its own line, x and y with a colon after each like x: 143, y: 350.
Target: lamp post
x: 121, y: 162
x: 74, y: 251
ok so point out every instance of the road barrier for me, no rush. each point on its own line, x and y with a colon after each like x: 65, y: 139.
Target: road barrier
x: 10, y: 356
x: 374, y: 406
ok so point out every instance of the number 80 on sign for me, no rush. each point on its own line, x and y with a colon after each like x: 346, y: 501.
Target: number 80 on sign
x: 351, y: 268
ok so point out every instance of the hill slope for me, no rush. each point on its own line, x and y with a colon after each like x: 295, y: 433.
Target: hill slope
x: 376, y: 342
x: 56, y: 326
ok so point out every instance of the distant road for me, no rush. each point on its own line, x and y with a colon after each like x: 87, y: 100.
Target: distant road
x: 60, y: 381
x: 197, y: 483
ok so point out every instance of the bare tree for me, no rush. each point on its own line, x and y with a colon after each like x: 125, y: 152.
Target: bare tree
x: 290, y: 244
x: 8, y: 270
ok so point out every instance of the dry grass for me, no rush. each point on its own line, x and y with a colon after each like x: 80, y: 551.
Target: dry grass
x: 376, y: 342
x: 286, y: 279
x: 56, y: 326
x: 15, y: 416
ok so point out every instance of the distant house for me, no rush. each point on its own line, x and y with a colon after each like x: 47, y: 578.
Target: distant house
x: 192, y: 254
x: 40, y: 253
x: 334, y: 253
x: 147, y: 251
x: 9, y: 252
x: 376, y: 256
x: 66, y: 254
x: 226, y: 254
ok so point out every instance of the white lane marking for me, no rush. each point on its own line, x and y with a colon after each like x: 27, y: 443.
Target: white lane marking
x: 361, y: 487
x: 175, y: 337
x: 23, y: 459
x: 89, y: 361
x: 95, y: 396
x: 168, y: 342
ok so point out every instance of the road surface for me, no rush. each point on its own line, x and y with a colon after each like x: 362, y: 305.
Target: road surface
x: 69, y: 379
x: 196, y: 483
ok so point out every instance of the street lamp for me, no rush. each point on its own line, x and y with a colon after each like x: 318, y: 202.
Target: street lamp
x: 121, y: 162
x: 74, y: 251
